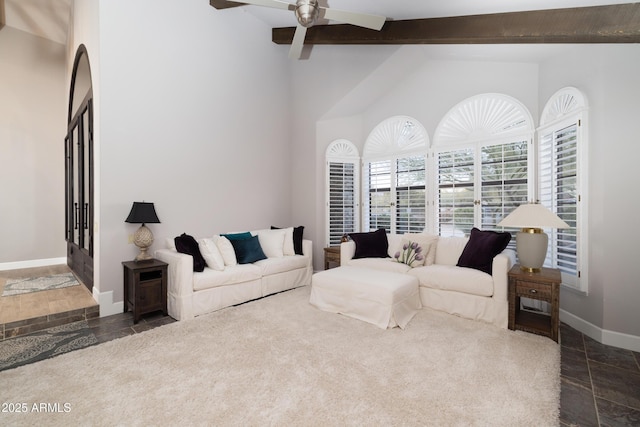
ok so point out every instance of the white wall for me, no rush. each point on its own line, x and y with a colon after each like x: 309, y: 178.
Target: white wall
x: 32, y: 131
x: 607, y: 74
x: 194, y: 114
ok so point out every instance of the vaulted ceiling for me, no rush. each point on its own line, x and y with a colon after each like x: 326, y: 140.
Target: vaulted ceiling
x: 43, y: 18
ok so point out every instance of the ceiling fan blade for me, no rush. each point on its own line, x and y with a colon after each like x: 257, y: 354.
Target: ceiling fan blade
x: 298, y: 42
x: 374, y: 22
x: 276, y: 4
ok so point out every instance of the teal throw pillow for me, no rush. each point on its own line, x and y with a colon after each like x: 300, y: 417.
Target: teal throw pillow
x: 248, y: 250
x: 237, y: 236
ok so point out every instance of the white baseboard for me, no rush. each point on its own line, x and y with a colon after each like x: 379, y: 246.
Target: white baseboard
x: 32, y: 263
x: 107, y: 306
x: 616, y: 339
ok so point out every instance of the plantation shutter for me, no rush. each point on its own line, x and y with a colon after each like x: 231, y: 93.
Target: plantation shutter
x: 379, y: 189
x: 410, y: 195
x: 342, y: 191
x: 342, y: 201
x: 504, y: 181
x: 558, y: 191
x: 455, y: 192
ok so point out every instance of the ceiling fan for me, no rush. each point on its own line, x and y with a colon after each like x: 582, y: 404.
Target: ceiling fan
x: 307, y: 13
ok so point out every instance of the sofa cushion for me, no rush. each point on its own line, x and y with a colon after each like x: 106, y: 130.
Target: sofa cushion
x: 481, y: 248
x: 449, y: 249
x: 287, y: 248
x: 452, y: 278
x: 293, y: 246
x: 232, y: 274
x: 272, y: 242
x: 248, y: 250
x: 211, y: 254
x: 226, y: 250
x: 280, y: 265
x: 382, y: 264
x: 186, y: 244
x: 373, y: 244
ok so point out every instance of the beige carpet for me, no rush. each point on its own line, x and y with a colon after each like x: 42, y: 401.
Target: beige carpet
x: 279, y: 361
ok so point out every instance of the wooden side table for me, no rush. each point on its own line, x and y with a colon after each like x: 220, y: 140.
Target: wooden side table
x: 331, y: 255
x: 543, y: 286
x: 145, y: 287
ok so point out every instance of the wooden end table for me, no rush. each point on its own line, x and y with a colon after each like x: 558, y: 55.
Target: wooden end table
x: 145, y: 287
x: 542, y: 286
x: 331, y: 255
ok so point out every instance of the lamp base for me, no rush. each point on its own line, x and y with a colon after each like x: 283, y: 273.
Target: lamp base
x: 531, y: 245
x: 143, y: 239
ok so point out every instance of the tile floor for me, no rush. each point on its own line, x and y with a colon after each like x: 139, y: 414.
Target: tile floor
x: 600, y: 385
x: 22, y: 314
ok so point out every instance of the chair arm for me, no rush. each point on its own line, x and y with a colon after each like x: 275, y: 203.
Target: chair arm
x: 502, y: 263
x: 307, y: 250
x: 347, y: 251
x: 180, y: 271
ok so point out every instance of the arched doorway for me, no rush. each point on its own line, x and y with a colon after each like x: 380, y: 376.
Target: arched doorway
x: 79, y: 171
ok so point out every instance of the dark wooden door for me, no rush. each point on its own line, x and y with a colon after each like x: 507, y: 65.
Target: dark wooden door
x: 79, y: 184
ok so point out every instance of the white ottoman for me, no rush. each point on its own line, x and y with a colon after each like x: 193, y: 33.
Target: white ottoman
x: 384, y: 298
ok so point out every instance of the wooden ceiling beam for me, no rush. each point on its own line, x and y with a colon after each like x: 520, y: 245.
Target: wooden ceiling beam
x: 597, y: 24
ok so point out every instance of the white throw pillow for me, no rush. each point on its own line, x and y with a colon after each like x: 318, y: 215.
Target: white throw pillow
x: 449, y: 249
x: 211, y: 254
x: 288, y: 249
x: 171, y: 243
x: 226, y: 250
x: 272, y: 242
x: 428, y: 243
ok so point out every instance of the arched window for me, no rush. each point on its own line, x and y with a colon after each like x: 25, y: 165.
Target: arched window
x: 562, y: 156
x: 342, y: 190
x: 482, y: 163
x: 395, y: 176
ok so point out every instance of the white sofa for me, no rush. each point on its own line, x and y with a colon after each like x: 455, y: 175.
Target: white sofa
x: 462, y: 291
x: 191, y: 293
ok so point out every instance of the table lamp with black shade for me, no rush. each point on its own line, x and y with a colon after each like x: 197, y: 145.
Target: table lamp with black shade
x: 141, y: 213
x: 531, y: 241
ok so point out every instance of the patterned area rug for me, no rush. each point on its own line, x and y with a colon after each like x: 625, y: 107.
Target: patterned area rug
x: 36, y: 284
x: 44, y: 344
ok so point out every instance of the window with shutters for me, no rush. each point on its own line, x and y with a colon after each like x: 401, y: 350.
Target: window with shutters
x: 395, y: 181
x: 342, y: 207
x: 561, y: 157
x: 456, y: 179
x: 483, y: 163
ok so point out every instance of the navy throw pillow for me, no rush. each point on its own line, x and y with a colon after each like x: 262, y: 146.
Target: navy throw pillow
x: 248, y: 250
x: 373, y: 244
x: 186, y: 244
x: 481, y: 248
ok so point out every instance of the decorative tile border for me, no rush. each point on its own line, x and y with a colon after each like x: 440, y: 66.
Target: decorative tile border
x: 21, y: 327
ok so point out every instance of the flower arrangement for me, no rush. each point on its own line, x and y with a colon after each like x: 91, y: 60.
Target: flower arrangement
x: 410, y: 253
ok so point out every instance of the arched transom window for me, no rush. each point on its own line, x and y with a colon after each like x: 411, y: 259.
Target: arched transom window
x: 482, y: 163
x: 394, y: 184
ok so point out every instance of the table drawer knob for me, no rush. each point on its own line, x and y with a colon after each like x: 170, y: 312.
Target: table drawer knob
x: 533, y: 291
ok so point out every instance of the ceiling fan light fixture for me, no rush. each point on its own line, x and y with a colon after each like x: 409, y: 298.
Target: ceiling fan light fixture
x: 307, y: 12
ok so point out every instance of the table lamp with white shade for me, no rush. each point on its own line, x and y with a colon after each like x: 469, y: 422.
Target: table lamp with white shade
x: 531, y: 241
